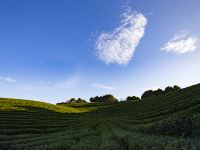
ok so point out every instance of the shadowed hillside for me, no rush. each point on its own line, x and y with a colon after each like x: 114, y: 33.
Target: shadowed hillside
x: 169, y: 121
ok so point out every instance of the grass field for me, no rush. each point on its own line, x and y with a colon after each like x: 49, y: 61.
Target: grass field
x: 168, y: 122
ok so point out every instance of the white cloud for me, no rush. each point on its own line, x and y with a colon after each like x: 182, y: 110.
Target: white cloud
x: 100, y: 86
x: 181, y: 43
x: 119, y: 45
x: 7, y: 79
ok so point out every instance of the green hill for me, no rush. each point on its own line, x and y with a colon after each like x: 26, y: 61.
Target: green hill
x: 170, y: 121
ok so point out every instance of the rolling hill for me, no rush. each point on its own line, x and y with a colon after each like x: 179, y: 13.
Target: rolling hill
x: 170, y: 121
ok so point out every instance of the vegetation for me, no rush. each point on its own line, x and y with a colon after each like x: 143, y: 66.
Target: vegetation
x: 151, y: 93
x: 132, y: 98
x: 110, y: 99
x: 8, y: 104
x: 170, y: 121
x: 73, y: 100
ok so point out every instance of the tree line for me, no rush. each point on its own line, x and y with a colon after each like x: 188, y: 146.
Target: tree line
x: 110, y: 99
x: 158, y: 92
x: 104, y: 99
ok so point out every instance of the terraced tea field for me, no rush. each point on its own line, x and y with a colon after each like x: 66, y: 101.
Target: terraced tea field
x: 170, y: 121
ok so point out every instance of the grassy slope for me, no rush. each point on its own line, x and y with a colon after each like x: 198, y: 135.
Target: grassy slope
x: 170, y: 121
x: 9, y: 104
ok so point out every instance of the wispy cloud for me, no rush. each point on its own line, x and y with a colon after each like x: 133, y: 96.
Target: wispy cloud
x: 69, y: 82
x: 181, y: 43
x: 64, y: 84
x: 7, y: 79
x: 118, y: 46
x: 101, y: 86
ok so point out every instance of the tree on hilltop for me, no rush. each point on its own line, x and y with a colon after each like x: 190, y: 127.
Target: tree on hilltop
x: 147, y: 94
x: 132, y: 98
x: 104, y: 99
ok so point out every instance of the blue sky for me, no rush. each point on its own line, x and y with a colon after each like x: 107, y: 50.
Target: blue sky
x: 54, y: 50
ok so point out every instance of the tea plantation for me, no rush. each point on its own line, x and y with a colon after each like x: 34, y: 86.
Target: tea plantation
x: 167, y: 122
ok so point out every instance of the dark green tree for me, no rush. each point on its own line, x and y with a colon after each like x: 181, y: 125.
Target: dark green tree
x: 96, y: 99
x: 109, y: 99
x: 158, y: 92
x: 176, y: 87
x: 80, y: 100
x: 169, y: 89
x: 92, y: 99
x: 132, y: 98
x: 72, y: 100
x: 147, y: 94
x: 104, y: 99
